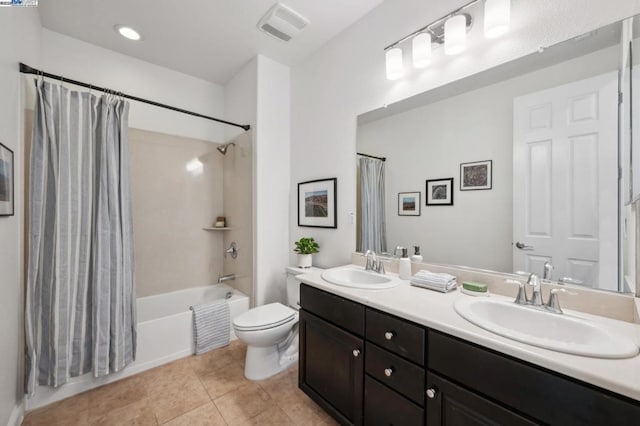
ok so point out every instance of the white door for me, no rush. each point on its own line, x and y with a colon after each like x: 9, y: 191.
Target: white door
x: 565, y: 180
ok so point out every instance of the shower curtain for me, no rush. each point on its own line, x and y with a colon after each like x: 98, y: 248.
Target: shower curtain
x: 80, y: 307
x: 372, y: 222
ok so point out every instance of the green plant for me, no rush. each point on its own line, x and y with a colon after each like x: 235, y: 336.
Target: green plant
x: 306, y: 245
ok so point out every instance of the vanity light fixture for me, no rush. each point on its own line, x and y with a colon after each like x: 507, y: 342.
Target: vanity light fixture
x: 497, y: 17
x: 455, y: 35
x: 128, y: 32
x: 451, y: 31
x: 421, y: 50
x: 395, y: 63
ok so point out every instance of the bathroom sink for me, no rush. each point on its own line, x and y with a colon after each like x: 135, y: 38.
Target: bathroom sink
x: 352, y: 276
x: 562, y: 333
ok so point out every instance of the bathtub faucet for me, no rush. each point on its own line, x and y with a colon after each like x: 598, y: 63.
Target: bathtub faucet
x: 228, y: 277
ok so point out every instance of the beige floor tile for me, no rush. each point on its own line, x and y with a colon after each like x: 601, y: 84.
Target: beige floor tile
x: 211, y: 361
x: 167, y: 374
x: 224, y: 380
x: 303, y: 411
x: 243, y: 404
x: 136, y: 414
x: 71, y: 411
x: 206, y: 415
x: 238, y: 351
x: 273, y: 416
x: 105, y: 399
x: 171, y: 400
x: 281, y: 386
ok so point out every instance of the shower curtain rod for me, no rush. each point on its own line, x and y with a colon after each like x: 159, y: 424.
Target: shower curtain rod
x: 372, y: 156
x: 26, y: 69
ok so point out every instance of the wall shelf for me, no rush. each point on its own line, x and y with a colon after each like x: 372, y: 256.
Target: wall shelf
x: 226, y: 228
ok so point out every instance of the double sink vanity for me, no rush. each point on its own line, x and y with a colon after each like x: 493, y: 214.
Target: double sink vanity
x: 376, y: 350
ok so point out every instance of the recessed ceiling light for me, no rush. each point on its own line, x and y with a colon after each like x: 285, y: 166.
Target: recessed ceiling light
x: 128, y: 32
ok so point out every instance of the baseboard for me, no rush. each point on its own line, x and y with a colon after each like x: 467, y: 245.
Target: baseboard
x: 17, y: 414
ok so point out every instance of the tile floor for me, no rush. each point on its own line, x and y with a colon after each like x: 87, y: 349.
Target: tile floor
x: 209, y: 389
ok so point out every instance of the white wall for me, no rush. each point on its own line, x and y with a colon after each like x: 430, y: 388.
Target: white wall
x: 86, y: 62
x: 19, y: 42
x: 259, y: 94
x: 431, y: 141
x: 272, y: 180
x: 346, y: 78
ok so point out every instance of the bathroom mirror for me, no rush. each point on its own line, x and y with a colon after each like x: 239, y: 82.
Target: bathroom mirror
x: 533, y: 148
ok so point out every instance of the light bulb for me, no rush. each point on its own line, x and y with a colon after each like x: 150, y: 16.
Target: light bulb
x: 455, y: 35
x: 128, y: 32
x: 497, y: 17
x: 421, y: 50
x: 394, y: 62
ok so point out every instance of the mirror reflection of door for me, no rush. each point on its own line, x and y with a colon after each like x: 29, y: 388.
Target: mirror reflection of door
x: 565, y: 175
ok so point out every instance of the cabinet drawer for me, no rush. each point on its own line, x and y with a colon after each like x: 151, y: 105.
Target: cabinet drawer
x: 335, y: 309
x: 396, y: 335
x: 395, y: 372
x: 543, y: 395
x: 382, y: 406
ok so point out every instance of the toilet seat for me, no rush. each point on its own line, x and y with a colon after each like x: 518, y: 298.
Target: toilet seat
x: 264, y: 317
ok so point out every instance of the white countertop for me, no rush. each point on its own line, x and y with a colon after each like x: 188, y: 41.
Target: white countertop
x: 435, y: 310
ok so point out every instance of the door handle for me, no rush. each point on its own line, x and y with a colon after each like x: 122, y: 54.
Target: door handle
x: 523, y: 246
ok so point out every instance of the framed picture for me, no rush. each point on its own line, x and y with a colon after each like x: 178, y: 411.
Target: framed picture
x: 6, y: 181
x: 408, y: 204
x: 474, y: 176
x: 317, y: 203
x: 440, y: 192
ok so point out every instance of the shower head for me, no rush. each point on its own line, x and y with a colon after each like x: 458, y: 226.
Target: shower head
x: 223, y: 148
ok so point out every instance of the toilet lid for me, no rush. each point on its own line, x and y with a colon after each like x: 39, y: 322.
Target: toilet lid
x: 265, y: 316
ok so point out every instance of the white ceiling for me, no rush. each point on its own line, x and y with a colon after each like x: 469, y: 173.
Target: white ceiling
x: 209, y: 39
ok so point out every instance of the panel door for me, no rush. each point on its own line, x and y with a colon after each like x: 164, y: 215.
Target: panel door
x: 565, y: 168
x: 451, y: 405
x: 332, y: 368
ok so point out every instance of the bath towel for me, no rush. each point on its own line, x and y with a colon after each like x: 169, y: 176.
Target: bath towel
x: 211, y: 325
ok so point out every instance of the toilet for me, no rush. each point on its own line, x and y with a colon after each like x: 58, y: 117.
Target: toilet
x: 271, y: 331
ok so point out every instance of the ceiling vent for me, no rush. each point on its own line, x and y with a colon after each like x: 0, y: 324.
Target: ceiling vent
x: 282, y: 23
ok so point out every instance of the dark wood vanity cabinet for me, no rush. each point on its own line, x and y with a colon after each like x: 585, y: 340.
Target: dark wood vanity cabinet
x: 331, y: 368
x: 367, y: 367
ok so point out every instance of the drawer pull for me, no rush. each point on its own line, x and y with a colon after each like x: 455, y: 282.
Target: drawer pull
x: 431, y: 392
x: 356, y: 353
x: 389, y: 335
x: 388, y: 371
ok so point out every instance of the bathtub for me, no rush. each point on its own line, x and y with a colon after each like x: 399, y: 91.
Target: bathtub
x: 165, y: 324
x: 165, y: 333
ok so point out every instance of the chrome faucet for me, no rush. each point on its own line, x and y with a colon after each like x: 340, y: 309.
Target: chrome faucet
x: 373, y: 264
x: 536, y: 296
x: 548, y: 269
x: 552, y: 305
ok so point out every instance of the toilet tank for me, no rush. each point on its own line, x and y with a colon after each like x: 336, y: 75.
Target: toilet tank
x: 293, y: 284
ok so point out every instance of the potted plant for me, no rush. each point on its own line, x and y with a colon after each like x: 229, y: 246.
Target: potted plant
x: 305, y: 247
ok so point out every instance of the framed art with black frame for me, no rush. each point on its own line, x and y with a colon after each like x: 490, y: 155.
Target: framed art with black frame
x: 7, y: 184
x: 440, y: 192
x: 317, y: 203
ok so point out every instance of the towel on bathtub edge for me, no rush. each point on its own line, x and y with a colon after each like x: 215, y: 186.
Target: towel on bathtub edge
x: 211, y: 325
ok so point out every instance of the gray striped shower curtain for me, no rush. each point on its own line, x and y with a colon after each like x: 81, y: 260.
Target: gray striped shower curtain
x: 80, y: 307
x: 373, y: 229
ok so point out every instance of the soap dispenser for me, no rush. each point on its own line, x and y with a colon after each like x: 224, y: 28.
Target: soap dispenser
x: 417, y: 257
x: 404, y: 265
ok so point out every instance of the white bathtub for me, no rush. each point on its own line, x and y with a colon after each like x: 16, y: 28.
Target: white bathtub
x: 165, y: 324
x: 165, y: 333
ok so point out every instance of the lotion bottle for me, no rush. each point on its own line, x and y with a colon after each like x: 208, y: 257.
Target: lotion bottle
x: 417, y: 257
x: 404, y: 266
